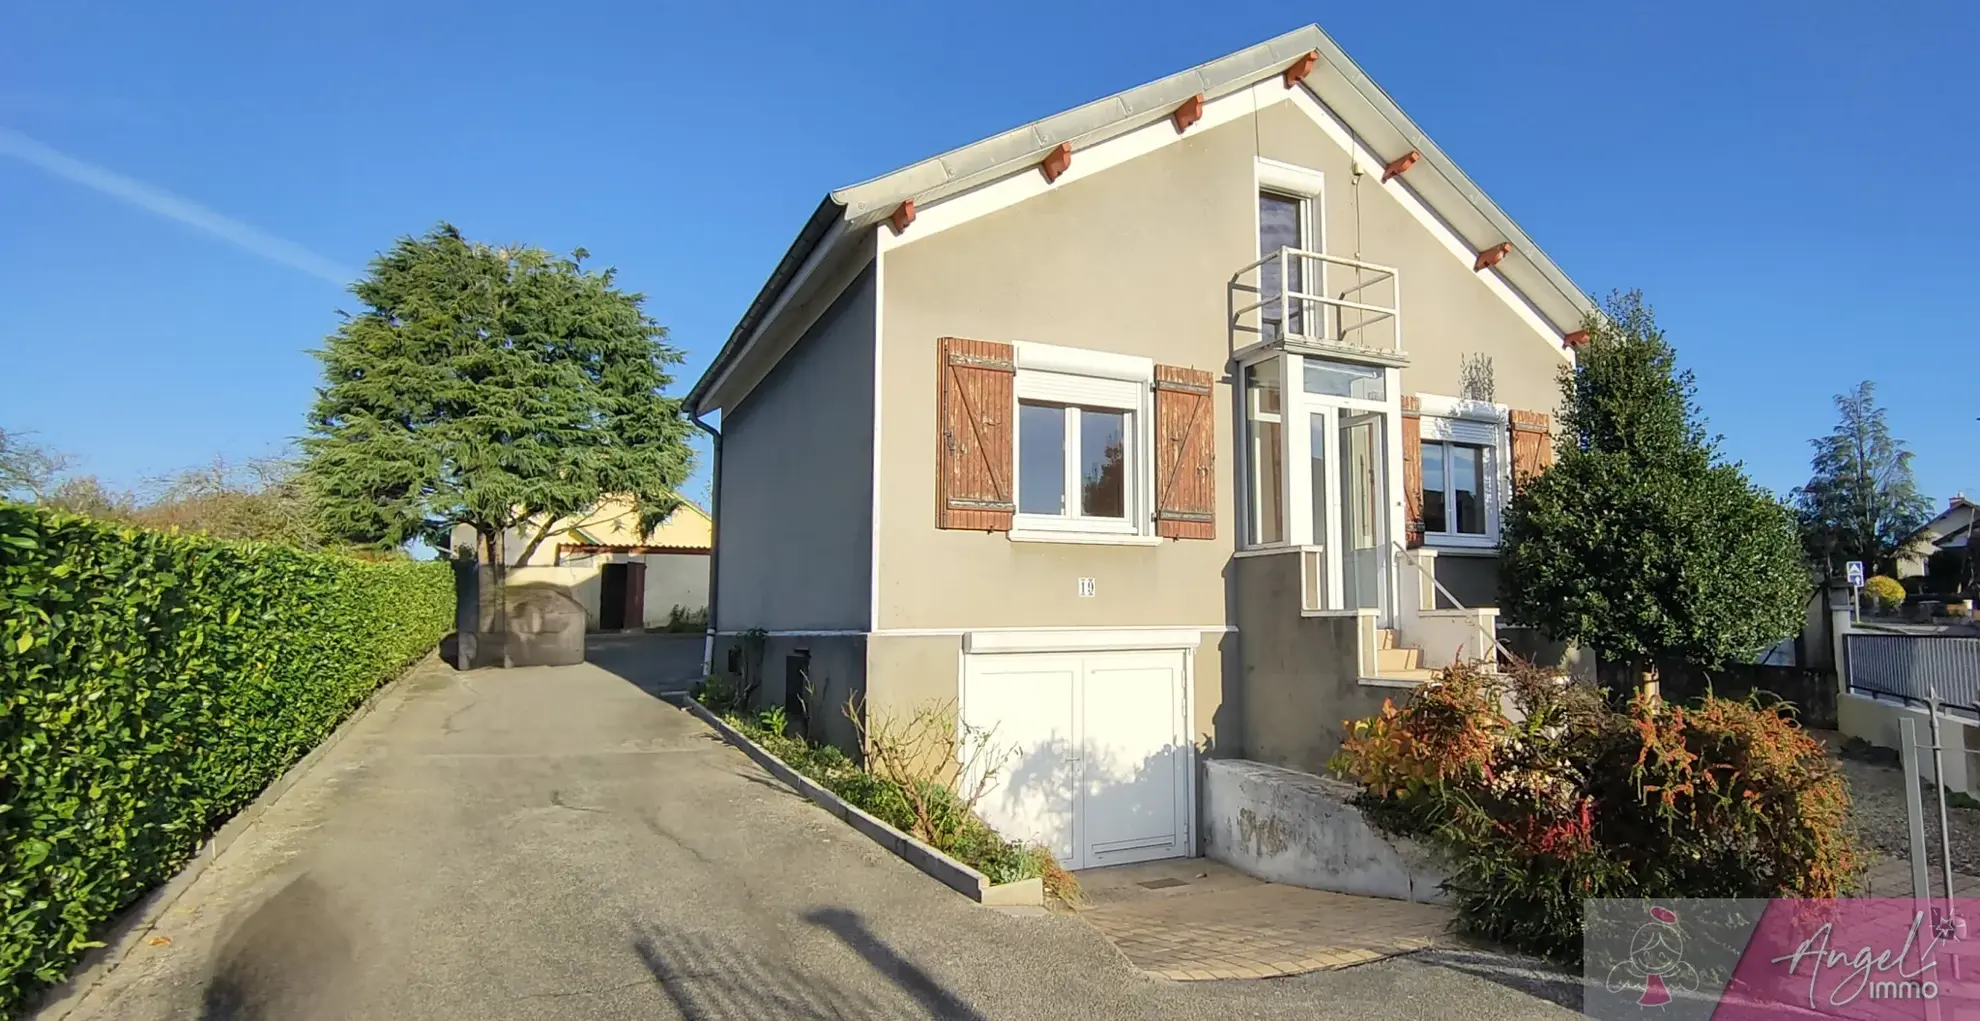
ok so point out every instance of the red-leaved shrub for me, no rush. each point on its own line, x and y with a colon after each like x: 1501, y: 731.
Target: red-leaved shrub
x: 1540, y: 795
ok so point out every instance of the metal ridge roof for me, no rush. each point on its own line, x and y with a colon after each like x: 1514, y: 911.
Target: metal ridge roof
x: 1341, y: 84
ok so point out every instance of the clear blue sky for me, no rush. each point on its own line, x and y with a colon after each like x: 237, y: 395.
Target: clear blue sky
x: 1789, y: 183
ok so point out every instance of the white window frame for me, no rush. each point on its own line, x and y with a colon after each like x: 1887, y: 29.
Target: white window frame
x: 1078, y: 378
x: 1309, y: 188
x: 1477, y: 424
x: 1296, y: 408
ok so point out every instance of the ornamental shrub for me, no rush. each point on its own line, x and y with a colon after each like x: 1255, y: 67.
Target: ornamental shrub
x: 151, y: 685
x: 1882, y: 594
x: 1540, y: 794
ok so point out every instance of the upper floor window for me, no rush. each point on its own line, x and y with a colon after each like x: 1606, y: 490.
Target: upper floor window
x: 1288, y: 217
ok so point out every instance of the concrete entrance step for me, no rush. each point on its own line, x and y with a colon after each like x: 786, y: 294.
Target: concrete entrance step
x: 1193, y: 919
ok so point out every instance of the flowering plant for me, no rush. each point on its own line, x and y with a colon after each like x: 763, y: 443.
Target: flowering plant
x: 1540, y: 794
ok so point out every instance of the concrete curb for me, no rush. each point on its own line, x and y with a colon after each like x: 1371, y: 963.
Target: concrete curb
x: 944, y: 869
x: 134, y: 923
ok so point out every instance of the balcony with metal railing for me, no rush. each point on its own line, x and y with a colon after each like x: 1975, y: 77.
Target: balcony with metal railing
x: 1317, y: 303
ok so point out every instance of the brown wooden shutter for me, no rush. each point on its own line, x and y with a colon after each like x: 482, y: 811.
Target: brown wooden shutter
x: 974, y: 446
x: 1532, y: 444
x: 1185, y: 454
x: 1412, y: 451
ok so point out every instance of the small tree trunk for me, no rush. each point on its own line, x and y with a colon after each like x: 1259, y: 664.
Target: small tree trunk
x: 1647, y: 683
x: 502, y: 593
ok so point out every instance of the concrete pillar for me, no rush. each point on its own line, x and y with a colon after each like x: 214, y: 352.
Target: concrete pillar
x: 1840, y: 623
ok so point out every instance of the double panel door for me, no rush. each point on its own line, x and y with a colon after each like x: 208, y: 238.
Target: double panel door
x: 1089, y: 751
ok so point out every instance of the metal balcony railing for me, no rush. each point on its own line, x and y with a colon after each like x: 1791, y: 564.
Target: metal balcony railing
x: 1294, y: 301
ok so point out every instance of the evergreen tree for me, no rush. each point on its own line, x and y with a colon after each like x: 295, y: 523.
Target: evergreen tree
x: 1641, y: 542
x: 490, y: 387
x: 1862, y: 502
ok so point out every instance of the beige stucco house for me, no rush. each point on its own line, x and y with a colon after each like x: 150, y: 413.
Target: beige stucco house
x: 1139, y: 433
x: 624, y: 579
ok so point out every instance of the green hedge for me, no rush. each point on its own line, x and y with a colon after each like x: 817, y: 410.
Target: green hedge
x: 153, y: 685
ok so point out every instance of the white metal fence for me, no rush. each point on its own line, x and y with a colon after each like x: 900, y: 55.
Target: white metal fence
x: 1909, y: 667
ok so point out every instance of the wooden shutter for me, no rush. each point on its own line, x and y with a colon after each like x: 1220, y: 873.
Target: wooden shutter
x: 1412, y: 458
x: 974, y: 444
x: 1532, y: 444
x: 1185, y: 454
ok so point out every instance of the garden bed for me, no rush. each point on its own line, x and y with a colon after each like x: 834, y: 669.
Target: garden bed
x: 966, y: 855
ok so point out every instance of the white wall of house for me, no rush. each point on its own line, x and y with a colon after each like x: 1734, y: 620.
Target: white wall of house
x: 672, y: 579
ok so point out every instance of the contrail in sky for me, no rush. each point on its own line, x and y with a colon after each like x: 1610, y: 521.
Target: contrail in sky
x: 170, y: 206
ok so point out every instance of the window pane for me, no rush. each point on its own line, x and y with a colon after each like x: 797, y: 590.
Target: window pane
x: 1102, y: 463
x: 1345, y: 379
x: 1041, y: 458
x: 1264, y: 460
x: 1434, y: 518
x: 1317, y: 475
x: 1278, y: 227
x: 1468, y: 488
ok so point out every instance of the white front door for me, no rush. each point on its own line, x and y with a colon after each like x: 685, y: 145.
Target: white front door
x: 1091, y: 752
x: 1363, y: 510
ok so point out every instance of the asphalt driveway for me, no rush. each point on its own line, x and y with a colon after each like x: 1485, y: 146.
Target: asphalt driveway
x: 558, y: 843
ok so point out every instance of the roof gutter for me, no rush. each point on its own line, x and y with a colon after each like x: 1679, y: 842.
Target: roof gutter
x: 815, y: 229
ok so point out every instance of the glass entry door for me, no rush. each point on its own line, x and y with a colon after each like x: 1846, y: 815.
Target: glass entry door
x: 1349, y: 504
x: 1361, y: 509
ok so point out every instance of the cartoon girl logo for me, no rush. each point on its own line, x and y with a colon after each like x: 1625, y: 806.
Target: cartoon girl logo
x: 1655, y: 962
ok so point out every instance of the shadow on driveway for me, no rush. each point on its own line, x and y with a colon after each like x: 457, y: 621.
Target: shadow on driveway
x: 662, y: 665
x: 1533, y: 977
x: 288, y: 960
x: 709, y: 978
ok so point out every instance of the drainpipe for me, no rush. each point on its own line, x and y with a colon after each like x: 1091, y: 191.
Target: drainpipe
x: 714, y: 539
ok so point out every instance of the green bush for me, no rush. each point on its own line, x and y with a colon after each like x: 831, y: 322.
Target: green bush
x: 1540, y: 794
x: 151, y: 685
x: 958, y: 833
x: 1882, y: 594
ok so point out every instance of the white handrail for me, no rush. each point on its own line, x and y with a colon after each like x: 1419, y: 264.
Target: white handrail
x: 1455, y: 603
x: 1315, y: 305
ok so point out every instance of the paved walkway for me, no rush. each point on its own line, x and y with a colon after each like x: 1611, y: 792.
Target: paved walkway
x: 1891, y: 877
x: 1196, y: 919
x: 559, y: 844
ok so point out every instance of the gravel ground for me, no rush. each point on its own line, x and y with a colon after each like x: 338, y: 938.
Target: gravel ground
x: 1877, y: 794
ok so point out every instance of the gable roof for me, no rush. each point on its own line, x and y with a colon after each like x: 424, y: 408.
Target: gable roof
x: 1948, y: 524
x: 1336, y: 80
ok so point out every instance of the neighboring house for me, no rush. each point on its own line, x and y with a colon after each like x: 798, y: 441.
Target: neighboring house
x: 1137, y: 433
x: 1946, y: 533
x: 623, y: 579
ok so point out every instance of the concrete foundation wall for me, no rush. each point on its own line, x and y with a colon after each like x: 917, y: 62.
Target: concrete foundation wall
x: 835, y: 672
x: 1291, y: 827
x: 1876, y: 721
x: 1299, y: 676
x: 1474, y: 580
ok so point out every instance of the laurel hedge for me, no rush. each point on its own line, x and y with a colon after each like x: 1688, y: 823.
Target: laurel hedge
x: 151, y: 685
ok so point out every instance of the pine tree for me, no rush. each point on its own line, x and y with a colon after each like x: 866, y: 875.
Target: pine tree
x: 1641, y: 542
x: 1862, y: 503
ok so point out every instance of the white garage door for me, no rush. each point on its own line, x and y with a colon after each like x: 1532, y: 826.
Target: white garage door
x: 1093, y: 751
